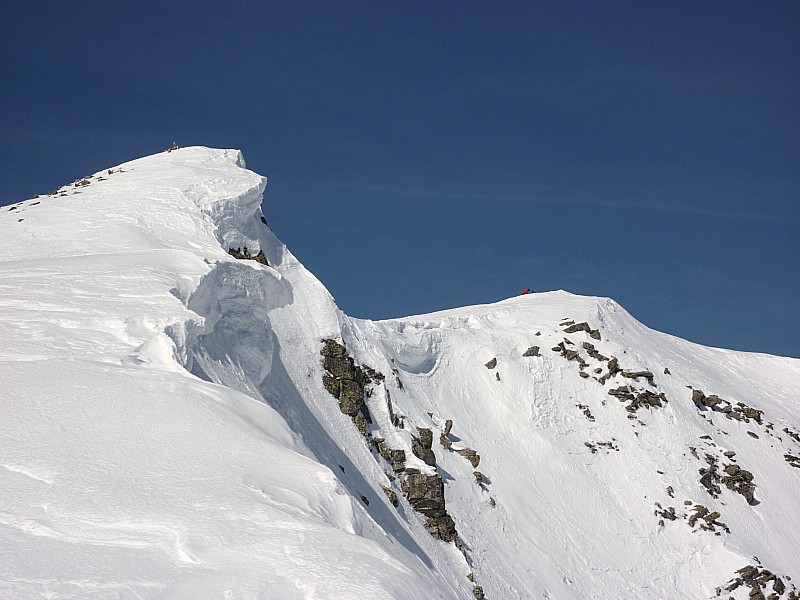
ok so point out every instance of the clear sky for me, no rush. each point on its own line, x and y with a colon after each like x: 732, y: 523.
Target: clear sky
x: 428, y: 155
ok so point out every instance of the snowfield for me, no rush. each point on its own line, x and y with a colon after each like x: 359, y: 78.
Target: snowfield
x: 177, y: 422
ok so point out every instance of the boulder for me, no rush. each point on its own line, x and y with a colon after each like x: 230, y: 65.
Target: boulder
x: 425, y: 493
x: 472, y: 456
x: 492, y: 363
x: 532, y: 351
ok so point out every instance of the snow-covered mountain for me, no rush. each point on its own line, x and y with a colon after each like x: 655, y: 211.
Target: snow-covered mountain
x: 185, y: 413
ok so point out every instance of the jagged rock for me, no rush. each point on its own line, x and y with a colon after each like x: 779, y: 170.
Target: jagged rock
x: 391, y: 494
x: 472, y: 456
x: 333, y: 348
x: 532, y: 351
x: 592, y: 352
x: 380, y: 446
x: 448, y: 426
x: 569, y: 354
x: 478, y: 477
x: 613, y: 367
x: 351, y: 398
x: 492, y: 363
x: 425, y: 437
x: 332, y: 385
x: 421, y: 446
x: 578, y: 327
x: 622, y: 393
x: 398, y: 460
x: 425, y: 493
x: 261, y: 258
x: 361, y: 424
x: 341, y: 367
x: 636, y: 374
x: 666, y: 371
x: 697, y: 397
x: 593, y: 333
x: 442, y: 528
x: 445, y: 442
x: 477, y: 591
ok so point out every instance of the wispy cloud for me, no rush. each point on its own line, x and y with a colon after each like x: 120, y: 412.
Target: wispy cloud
x: 644, y: 205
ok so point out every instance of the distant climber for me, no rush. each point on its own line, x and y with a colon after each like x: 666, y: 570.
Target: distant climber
x: 173, y: 147
x: 526, y: 291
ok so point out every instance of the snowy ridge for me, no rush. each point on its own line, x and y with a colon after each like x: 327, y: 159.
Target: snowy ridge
x: 170, y: 431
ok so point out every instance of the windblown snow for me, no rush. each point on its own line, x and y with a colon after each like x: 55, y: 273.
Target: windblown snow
x: 185, y: 413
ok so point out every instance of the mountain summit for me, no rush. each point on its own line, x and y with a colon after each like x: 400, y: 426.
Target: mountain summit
x: 187, y: 414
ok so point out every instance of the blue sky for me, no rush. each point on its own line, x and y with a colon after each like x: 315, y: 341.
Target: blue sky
x: 423, y: 156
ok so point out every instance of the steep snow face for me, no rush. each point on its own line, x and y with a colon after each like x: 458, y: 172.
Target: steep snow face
x: 170, y: 431
x: 581, y: 493
x: 124, y: 475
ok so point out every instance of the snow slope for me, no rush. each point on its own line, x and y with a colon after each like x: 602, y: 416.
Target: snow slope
x: 167, y: 430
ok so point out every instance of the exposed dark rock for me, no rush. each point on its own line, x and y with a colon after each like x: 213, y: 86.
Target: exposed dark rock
x: 398, y: 460
x: 332, y: 385
x: 472, y: 456
x: 592, y: 352
x: 478, y: 477
x: 532, y: 351
x: 477, y: 591
x: 345, y: 381
x: 622, y: 393
x: 244, y: 254
x: 445, y: 442
x: 666, y: 371
x: 351, y: 397
x: 333, y: 348
x: 569, y: 354
x: 578, y: 327
x: 425, y: 493
x: 586, y: 412
x: 442, y: 528
x: 492, y: 363
x: 421, y: 446
x: 741, y: 481
x: 637, y: 374
x: 793, y: 461
x: 361, y: 424
x: 448, y: 426
x: 391, y: 494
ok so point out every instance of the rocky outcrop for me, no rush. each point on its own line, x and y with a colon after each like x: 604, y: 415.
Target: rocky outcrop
x: 741, y: 481
x: 492, y: 363
x: 637, y: 398
x: 739, y: 411
x: 576, y: 327
x: 759, y: 580
x: 345, y: 381
x: 637, y: 374
x: 244, y: 254
x: 532, y: 351
x: 470, y: 454
x: 425, y: 493
x: 421, y: 446
x: 592, y: 352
